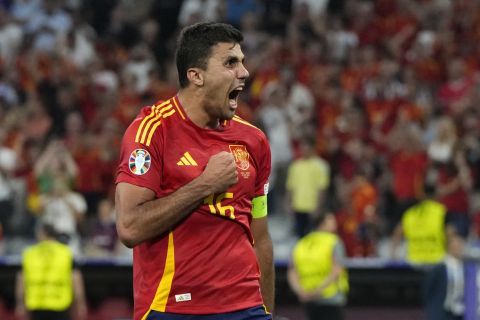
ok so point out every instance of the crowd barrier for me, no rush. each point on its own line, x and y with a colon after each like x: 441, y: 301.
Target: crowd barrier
x: 373, y: 283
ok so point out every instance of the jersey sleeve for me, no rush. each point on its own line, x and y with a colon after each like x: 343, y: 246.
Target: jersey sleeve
x: 264, y: 167
x: 140, y: 163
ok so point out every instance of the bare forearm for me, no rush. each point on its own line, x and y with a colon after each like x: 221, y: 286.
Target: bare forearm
x: 79, y: 289
x: 19, y: 290
x: 264, y: 251
x: 70, y: 165
x: 155, y: 217
x: 331, y: 278
x: 80, y: 308
x: 293, y: 281
x: 158, y: 216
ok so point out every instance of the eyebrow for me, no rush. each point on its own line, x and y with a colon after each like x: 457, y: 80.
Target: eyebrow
x: 234, y: 58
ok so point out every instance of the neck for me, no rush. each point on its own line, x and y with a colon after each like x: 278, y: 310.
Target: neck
x: 194, y: 104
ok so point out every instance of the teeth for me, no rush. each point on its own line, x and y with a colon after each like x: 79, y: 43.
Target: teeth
x: 235, y: 93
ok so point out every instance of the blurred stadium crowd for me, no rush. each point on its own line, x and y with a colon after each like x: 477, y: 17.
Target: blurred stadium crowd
x: 388, y: 89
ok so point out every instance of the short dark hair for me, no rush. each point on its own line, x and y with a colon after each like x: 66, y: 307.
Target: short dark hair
x: 48, y: 229
x: 195, y: 44
x: 320, y: 219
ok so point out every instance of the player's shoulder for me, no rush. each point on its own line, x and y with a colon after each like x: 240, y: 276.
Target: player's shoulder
x: 158, y: 111
x: 246, y: 126
x: 151, y: 118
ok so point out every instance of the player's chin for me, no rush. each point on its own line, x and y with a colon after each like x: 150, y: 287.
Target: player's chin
x: 228, y: 114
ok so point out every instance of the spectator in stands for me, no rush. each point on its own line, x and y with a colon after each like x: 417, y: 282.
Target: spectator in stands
x: 193, y: 11
x: 96, y: 157
x: 24, y: 10
x: 255, y: 37
x: 407, y: 167
x: 316, y: 273
x: 304, y: 26
x: 316, y: 8
x: 471, y: 145
x: 307, y: 179
x: 102, y: 238
x: 78, y: 45
x: 49, y: 285
x: 340, y: 39
x: 273, y: 119
x: 8, y: 163
x: 55, y: 161
x: 137, y: 68
x: 11, y: 36
x: 65, y: 210
x: 442, y: 146
x: 236, y: 9
x: 358, y: 222
x: 454, y: 186
x: 151, y: 34
x: 299, y: 103
x: 59, y: 204
x: 455, y: 94
x: 48, y: 25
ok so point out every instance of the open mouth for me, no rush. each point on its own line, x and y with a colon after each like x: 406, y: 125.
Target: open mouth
x: 233, y: 96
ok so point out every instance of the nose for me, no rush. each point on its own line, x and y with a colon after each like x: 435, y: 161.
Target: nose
x: 243, y: 72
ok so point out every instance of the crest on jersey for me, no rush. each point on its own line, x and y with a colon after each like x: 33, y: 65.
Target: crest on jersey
x: 139, y: 161
x: 241, y: 156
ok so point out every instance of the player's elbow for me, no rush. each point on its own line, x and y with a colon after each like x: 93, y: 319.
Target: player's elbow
x: 127, y: 236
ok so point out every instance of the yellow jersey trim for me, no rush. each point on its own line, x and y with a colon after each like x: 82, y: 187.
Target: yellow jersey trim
x: 265, y: 308
x: 163, y: 291
x: 148, y: 118
x: 178, y: 108
x: 238, y: 119
x: 155, y: 121
x: 159, y: 122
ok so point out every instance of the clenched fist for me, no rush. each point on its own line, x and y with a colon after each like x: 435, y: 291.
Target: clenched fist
x: 220, y: 172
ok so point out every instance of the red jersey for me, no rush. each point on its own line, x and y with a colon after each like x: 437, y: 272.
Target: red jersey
x: 207, y: 263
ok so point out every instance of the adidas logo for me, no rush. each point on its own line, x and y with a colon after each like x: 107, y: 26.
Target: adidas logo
x: 187, y: 160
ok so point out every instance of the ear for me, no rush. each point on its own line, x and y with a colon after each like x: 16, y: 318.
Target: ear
x: 195, y: 76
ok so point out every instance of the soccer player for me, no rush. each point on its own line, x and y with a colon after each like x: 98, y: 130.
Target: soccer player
x: 191, y: 192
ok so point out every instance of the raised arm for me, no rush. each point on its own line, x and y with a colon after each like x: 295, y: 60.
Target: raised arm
x: 141, y: 216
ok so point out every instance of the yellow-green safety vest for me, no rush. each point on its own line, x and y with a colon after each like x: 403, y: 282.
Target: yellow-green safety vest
x: 424, y: 230
x: 47, y: 271
x: 313, y: 261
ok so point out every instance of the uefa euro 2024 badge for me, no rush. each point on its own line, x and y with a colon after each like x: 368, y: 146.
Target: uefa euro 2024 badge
x: 139, y: 161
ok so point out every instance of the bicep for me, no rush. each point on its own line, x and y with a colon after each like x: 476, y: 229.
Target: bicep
x: 128, y: 197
